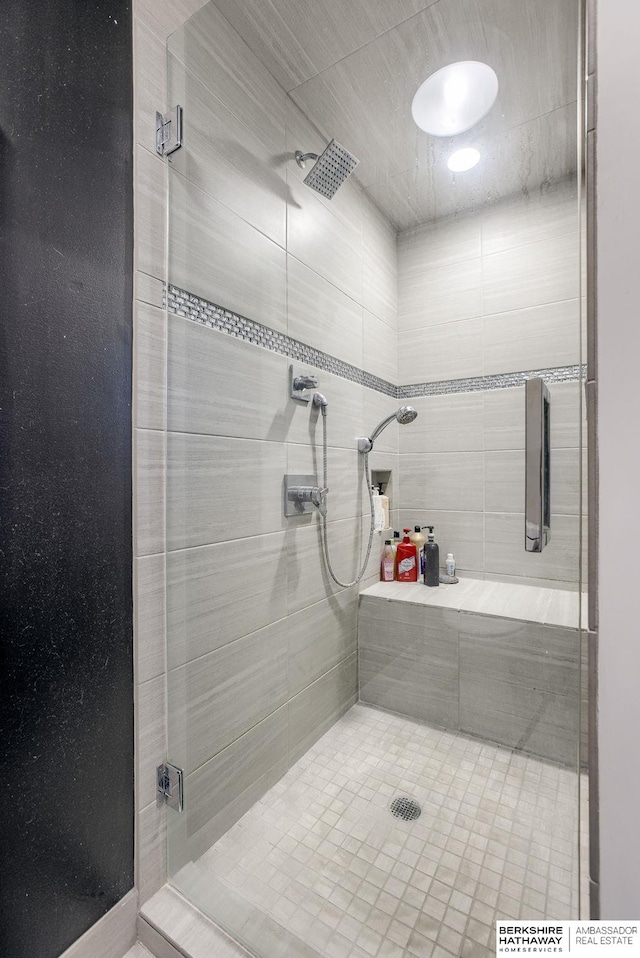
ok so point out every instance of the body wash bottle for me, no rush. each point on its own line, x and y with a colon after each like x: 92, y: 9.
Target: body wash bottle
x: 387, y: 563
x: 431, y: 560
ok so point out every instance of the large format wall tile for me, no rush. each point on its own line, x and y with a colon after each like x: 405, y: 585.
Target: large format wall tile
x: 233, y: 780
x: 319, y: 637
x: 219, y: 489
x: 445, y: 424
x: 380, y: 265
x: 521, y: 220
x: 504, y: 417
x: 150, y: 619
x: 435, y: 353
x: 453, y: 239
x: 324, y: 241
x: 504, y: 548
x: 316, y: 709
x: 442, y: 481
x: 320, y: 315
x: 543, y: 723
x: 505, y: 481
x: 534, y: 338
x: 228, y: 159
x: 408, y: 660
x: 542, y: 272
x: 218, y: 593
x: 219, y: 385
x: 220, y: 696
x: 149, y: 491
x: 443, y: 295
x: 150, y: 350
x: 215, y: 254
x: 380, y: 347
x: 150, y: 212
x: 307, y: 578
x: 522, y: 653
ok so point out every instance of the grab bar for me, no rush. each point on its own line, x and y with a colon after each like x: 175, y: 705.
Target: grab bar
x: 537, y: 509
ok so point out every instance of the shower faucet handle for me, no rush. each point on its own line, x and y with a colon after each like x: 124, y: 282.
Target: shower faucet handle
x: 305, y: 382
x: 301, y: 381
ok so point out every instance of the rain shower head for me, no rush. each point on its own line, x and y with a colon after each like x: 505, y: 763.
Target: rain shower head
x: 403, y: 415
x: 330, y: 170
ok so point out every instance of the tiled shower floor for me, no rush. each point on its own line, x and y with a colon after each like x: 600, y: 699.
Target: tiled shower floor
x: 322, y: 854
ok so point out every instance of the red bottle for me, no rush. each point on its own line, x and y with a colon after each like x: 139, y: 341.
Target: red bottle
x: 407, y: 560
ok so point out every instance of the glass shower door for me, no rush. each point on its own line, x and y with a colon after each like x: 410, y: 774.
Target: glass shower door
x: 298, y: 710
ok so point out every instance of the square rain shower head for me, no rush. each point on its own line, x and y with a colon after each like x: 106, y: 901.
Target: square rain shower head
x: 331, y: 169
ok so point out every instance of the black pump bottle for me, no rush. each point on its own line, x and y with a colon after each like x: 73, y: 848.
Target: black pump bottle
x: 431, y: 560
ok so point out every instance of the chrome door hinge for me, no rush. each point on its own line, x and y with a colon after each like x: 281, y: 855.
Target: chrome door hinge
x: 169, y: 131
x: 170, y: 783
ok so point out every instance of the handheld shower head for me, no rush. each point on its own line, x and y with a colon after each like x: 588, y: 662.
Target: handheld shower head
x: 403, y: 415
x: 330, y: 170
x: 406, y: 414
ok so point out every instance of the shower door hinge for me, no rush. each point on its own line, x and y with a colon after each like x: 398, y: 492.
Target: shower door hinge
x: 170, y: 782
x: 169, y: 131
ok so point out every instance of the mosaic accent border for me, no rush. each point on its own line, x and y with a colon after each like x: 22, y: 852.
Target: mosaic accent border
x: 553, y: 374
x: 185, y: 304
x: 201, y: 311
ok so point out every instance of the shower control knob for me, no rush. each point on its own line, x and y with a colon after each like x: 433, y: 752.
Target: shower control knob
x: 305, y: 382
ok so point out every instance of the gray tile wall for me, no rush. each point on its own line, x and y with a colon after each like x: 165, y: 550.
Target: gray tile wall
x: 505, y: 680
x: 492, y: 292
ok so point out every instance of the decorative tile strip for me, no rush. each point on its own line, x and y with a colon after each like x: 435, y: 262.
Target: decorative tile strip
x: 554, y: 374
x: 223, y: 320
x: 201, y: 311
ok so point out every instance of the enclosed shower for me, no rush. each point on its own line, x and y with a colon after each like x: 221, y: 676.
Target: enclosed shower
x: 374, y: 768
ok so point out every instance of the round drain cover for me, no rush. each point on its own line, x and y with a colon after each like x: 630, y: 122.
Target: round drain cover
x: 405, y: 808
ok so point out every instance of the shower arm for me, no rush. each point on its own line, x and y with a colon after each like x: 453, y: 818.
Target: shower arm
x: 301, y: 158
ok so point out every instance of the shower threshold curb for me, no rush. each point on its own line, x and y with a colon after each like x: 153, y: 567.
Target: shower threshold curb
x: 170, y: 926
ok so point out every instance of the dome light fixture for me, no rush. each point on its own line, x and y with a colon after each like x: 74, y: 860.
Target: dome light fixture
x: 455, y: 98
x: 463, y: 160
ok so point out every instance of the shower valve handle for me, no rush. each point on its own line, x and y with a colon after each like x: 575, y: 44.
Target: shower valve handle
x: 313, y: 494
x: 305, y: 382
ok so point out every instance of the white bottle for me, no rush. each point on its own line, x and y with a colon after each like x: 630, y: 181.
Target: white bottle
x: 384, y: 502
x: 378, y: 514
x: 450, y: 564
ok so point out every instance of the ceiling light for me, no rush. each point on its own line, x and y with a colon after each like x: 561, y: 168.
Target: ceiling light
x: 463, y: 160
x: 455, y: 98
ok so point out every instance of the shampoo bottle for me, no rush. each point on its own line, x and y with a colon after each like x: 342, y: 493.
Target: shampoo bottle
x: 431, y: 560
x: 395, y: 542
x: 384, y: 502
x: 418, y: 540
x: 387, y: 563
x: 407, y: 560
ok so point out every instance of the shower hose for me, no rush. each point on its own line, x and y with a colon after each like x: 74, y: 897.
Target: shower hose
x: 323, y: 514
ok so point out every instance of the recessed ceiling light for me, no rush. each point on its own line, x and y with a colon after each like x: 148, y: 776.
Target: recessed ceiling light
x: 455, y: 98
x: 463, y: 160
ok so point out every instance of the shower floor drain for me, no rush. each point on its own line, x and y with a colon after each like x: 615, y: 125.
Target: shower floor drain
x: 405, y: 808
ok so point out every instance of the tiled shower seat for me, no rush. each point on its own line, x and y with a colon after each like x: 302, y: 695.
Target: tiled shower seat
x: 492, y: 659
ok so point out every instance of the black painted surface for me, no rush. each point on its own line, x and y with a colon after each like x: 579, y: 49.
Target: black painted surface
x: 66, y: 703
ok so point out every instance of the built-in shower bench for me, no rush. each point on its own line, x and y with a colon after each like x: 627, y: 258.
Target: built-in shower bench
x: 494, y: 659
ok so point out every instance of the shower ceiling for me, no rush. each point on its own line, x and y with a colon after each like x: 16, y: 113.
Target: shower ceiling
x: 353, y: 66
